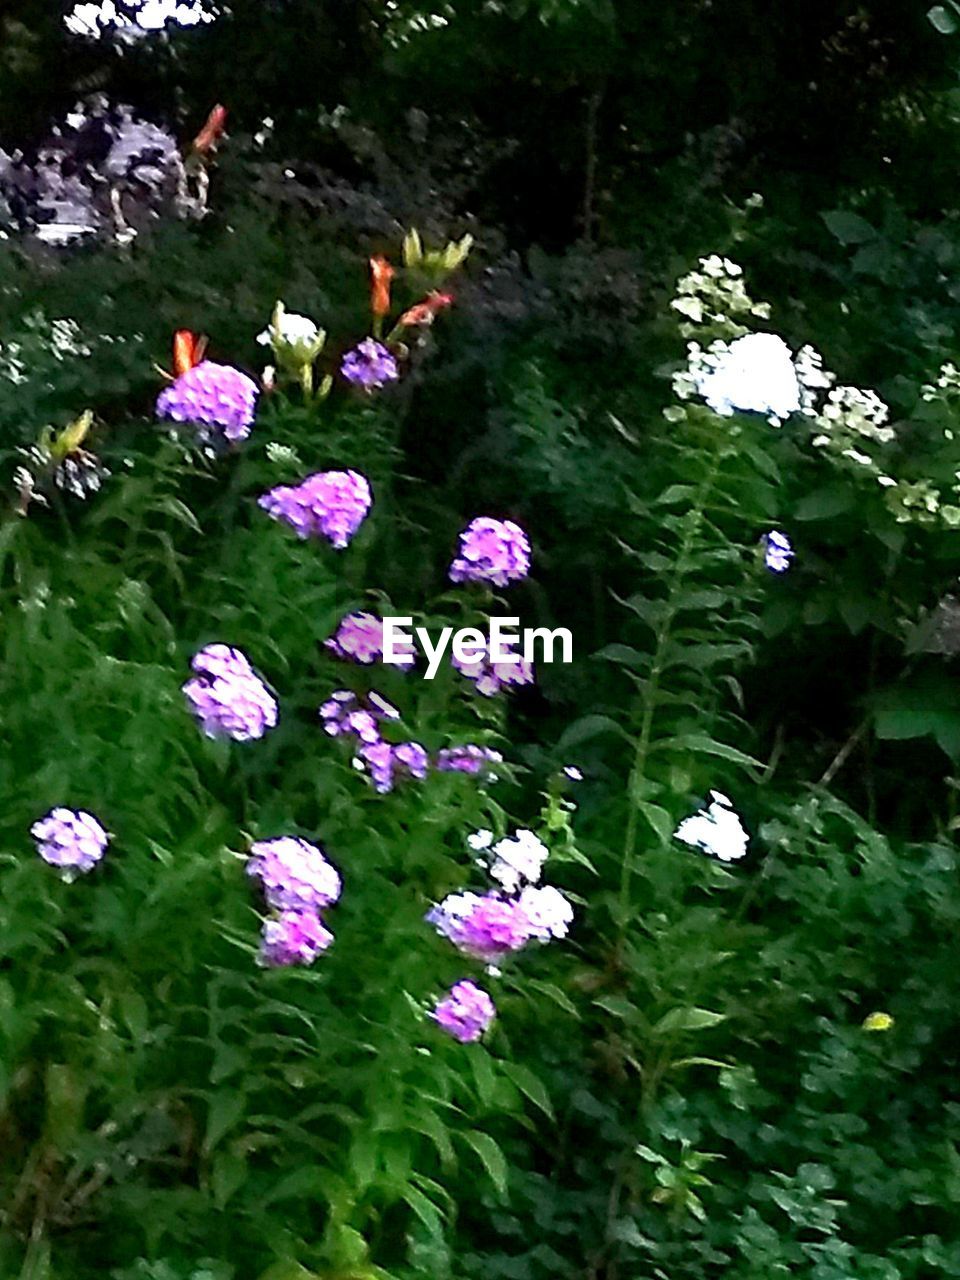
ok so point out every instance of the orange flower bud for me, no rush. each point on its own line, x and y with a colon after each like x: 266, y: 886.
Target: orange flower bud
x: 211, y: 131
x: 424, y: 312
x: 382, y: 273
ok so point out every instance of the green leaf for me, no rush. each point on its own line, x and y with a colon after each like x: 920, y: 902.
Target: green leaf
x: 529, y: 1085
x: 927, y: 706
x: 619, y: 1006
x: 688, y: 1020
x: 229, y: 1174
x: 225, y: 1111
x: 849, y: 228
x: 586, y: 727
x: 821, y: 504
x: 491, y: 1157
x: 554, y: 993
x: 425, y: 1209
x: 701, y: 745
x: 659, y: 819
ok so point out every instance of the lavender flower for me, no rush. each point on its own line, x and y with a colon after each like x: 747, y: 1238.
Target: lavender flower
x: 468, y: 758
x: 359, y: 638
x: 387, y: 762
x: 212, y: 395
x: 344, y: 715
x: 777, y: 552
x: 369, y: 365
x: 71, y: 840
x: 329, y: 504
x: 294, y: 937
x: 485, y: 927
x: 293, y: 874
x: 465, y: 1013
x: 227, y: 697
x: 490, y: 677
x: 494, y: 551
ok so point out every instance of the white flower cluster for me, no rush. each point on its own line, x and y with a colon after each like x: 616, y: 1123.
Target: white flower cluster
x: 714, y: 296
x: 511, y: 860
x: 853, y: 411
x: 717, y: 830
x: 948, y: 381
x: 26, y: 355
x: 59, y: 339
x: 92, y: 19
x: 753, y: 374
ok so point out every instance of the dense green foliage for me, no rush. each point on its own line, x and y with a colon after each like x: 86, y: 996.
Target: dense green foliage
x: 685, y: 1087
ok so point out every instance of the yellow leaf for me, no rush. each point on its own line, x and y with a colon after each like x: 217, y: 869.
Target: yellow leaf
x: 73, y: 436
x: 412, y: 248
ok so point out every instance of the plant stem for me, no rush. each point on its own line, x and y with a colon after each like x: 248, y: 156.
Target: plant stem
x: 638, y: 769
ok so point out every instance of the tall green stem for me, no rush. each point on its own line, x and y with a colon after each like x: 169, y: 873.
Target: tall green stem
x: 651, y: 691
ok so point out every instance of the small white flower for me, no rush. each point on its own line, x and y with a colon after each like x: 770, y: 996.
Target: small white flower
x: 480, y: 840
x: 293, y: 329
x: 573, y: 773
x: 716, y: 830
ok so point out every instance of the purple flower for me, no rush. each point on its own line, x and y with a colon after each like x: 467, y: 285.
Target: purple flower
x: 777, y: 552
x: 491, y: 677
x: 294, y: 937
x: 293, y: 874
x: 485, y: 927
x: 344, y: 715
x: 465, y: 1013
x: 227, y: 696
x: 495, y: 551
x: 369, y: 365
x: 329, y: 504
x: 468, y: 758
x: 387, y: 762
x: 212, y: 395
x: 71, y: 840
x: 359, y: 638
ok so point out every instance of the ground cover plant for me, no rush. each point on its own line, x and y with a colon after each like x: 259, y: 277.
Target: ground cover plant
x: 312, y: 968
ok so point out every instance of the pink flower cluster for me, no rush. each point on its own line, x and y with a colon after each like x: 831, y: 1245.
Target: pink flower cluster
x: 490, y: 677
x: 494, y: 551
x: 297, y: 883
x: 329, y: 504
x: 228, y: 698
x: 491, y: 925
x: 359, y: 638
x: 212, y: 396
